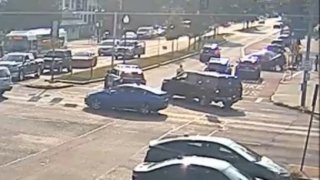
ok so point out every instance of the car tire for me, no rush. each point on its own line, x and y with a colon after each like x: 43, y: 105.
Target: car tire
x: 69, y: 69
x: 145, y: 109
x: 95, y: 104
x: 38, y: 73
x: 227, y: 104
x: 21, y: 76
x: 1, y: 93
x: 60, y: 69
x: 139, y: 56
x: 116, y: 57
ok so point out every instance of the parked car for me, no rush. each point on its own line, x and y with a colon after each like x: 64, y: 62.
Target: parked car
x: 208, y: 51
x: 21, y: 65
x: 241, y: 157
x: 59, y: 59
x: 123, y: 74
x: 85, y: 59
x: 248, y: 68
x: 134, y: 97
x: 276, y: 48
x: 220, y: 65
x: 146, y: 32
x: 269, y: 60
x: 278, y: 25
x: 286, y: 39
x: 129, y: 49
x: 5, y: 80
x: 207, y: 87
x: 105, y: 48
x: 130, y: 35
x: 279, y: 42
x: 188, y: 168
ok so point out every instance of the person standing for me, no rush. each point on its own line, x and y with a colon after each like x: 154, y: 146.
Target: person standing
x: 180, y: 70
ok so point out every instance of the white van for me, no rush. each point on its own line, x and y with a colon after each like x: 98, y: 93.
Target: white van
x: 5, y: 80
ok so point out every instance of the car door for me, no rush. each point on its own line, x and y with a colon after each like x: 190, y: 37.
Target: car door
x: 33, y: 64
x: 27, y: 65
x: 120, y: 97
x: 202, y: 173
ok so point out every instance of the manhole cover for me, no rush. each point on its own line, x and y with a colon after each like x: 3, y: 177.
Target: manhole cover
x: 70, y: 105
x: 56, y: 100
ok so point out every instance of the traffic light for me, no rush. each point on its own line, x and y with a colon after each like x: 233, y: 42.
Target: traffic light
x: 204, y: 4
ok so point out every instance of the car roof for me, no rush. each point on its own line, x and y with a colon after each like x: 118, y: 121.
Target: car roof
x: 128, y: 68
x: 219, y: 140
x: 3, y: 68
x: 18, y: 53
x: 212, y: 74
x: 216, y: 164
x: 251, y: 59
x: 222, y: 61
x: 261, y: 52
x: 144, y: 87
x: 211, y: 46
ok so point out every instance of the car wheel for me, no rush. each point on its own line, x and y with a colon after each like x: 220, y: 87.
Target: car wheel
x: 139, y: 56
x: 60, y: 69
x: 38, y: 73
x: 70, y: 68
x: 145, y: 109
x: 116, y: 57
x: 21, y: 76
x: 227, y: 104
x: 1, y: 93
x: 95, y: 104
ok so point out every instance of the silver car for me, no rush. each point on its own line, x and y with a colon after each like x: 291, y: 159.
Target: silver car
x: 5, y: 80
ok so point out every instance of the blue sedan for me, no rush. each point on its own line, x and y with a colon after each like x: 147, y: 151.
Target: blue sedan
x: 135, y: 97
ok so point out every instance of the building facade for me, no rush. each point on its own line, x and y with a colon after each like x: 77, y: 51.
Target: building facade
x: 78, y: 17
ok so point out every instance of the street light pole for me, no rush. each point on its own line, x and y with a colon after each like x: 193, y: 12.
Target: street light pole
x: 115, y: 19
x: 306, y: 60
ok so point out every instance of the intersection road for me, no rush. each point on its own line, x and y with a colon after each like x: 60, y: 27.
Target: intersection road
x: 44, y: 139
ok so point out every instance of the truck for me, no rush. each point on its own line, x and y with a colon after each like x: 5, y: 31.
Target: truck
x: 22, y: 64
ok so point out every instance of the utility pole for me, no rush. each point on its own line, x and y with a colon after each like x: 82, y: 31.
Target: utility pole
x: 115, y: 22
x: 307, y: 60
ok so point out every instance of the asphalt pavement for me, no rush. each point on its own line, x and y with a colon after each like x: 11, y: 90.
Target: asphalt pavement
x: 50, y: 134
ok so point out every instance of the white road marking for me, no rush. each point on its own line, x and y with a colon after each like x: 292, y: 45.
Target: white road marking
x: 259, y: 100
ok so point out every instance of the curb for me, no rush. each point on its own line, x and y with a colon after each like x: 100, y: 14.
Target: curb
x: 145, y: 69
x: 48, y: 87
x: 298, y: 108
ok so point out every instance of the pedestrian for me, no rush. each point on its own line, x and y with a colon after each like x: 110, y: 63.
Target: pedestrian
x: 180, y: 70
x: 316, y: 63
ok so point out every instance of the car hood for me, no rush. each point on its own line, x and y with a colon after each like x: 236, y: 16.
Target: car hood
x: 9, y: 63
x: 272, y: 166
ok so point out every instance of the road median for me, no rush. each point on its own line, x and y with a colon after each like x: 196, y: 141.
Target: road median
x: 148, y: 63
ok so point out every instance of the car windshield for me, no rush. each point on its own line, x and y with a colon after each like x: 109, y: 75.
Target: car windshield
x: 4, y: 73
x: 132, y: 75
x: 107, y: 43
x: 249, y: 154
x: 16, y: 58
x: 82, y: 54
x: 55, y: 54
x: 217, y: 67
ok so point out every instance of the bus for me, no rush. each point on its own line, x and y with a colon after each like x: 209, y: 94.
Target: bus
x: 37, y: 41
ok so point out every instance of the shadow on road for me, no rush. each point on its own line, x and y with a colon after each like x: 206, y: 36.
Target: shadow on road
x: 128, y: 116
x: 211, y: 109
x: 231, y: 44
x: 3, y: 98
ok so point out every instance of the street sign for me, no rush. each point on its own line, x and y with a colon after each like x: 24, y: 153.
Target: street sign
x: 55, y: 29
x: 126, y: 19
x: 307, y: 65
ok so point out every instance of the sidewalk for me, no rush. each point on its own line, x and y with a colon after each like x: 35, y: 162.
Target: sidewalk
x: 288, y: 93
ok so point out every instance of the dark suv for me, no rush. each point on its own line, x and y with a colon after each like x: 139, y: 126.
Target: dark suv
x: 58, y: 59
x: 206, y: 86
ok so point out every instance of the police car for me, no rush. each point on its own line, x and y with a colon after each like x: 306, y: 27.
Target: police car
x: 249, y: 68
x: 208, y: 51
x: 124, y: 74
x: 220, y: 65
